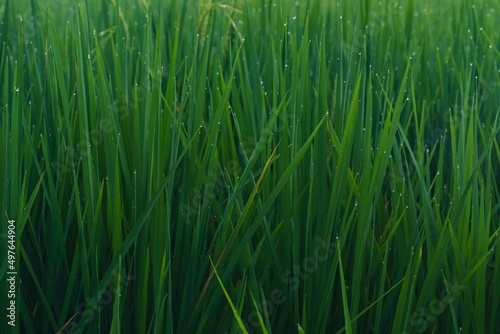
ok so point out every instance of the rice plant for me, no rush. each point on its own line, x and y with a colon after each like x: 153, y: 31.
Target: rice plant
x: 250, y: 166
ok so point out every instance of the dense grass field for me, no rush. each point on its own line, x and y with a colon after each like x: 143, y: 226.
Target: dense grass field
x: 258, y: 166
